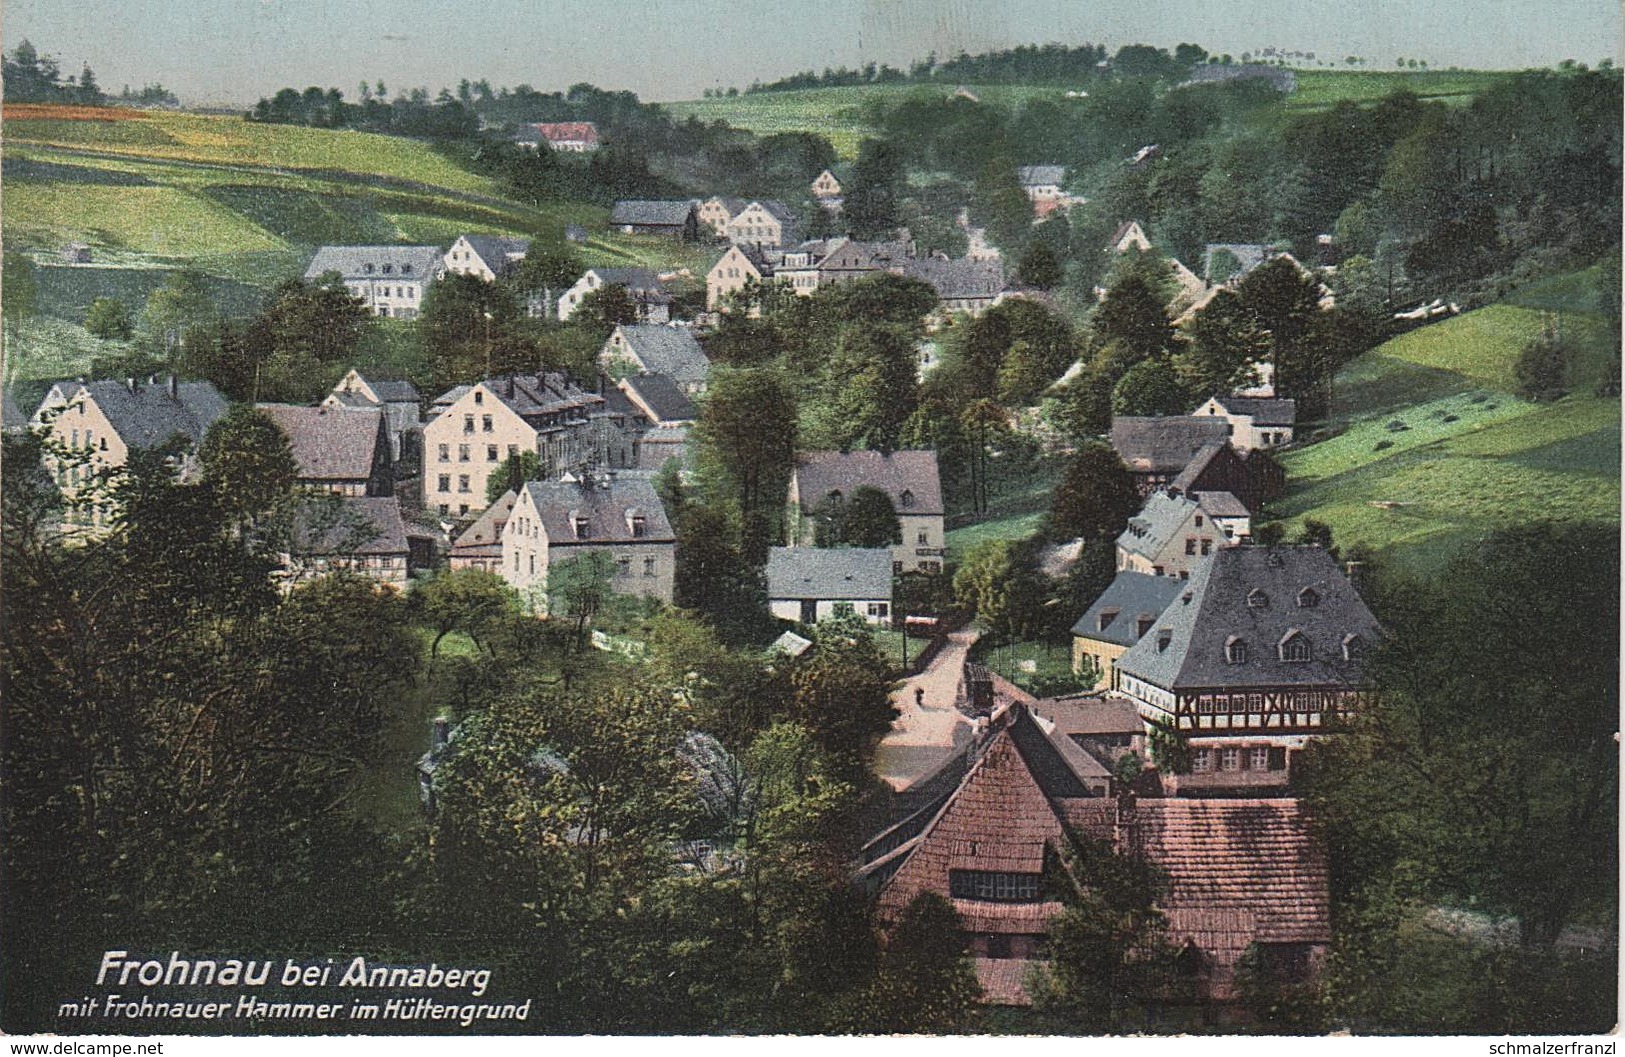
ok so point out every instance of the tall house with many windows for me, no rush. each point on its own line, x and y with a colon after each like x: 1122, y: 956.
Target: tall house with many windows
x: 480, y: 425
x: 621, y: 519
x: 908, y: 478
x: 389, y: 280
x: 1263, y: 648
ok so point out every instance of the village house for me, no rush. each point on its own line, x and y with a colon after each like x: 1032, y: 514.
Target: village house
x: 389, y: 280
x: 1263, y: 647
x: 846, y: 259
x: 809, y: 584
x: 908, y: 478
x: 658, y: 400
x: 99, y: 423
x: 577, y: 137
x: 963, y: 286
x: 647, y: 292
x: 763, y: 223
x: 553, y: 521
x: 1239, y: 874
x: 1104, y: 728
x: 648, y: 349
x: 396, y: 397
x: 1254, y: 422
x: 1251, y: 480
x: 344, y: 452
x: 1156, y: 449
x: 488, y: 257
x: 734, y: 270
x: 1174, y: 531
x: 485, y: 423
x: 480, y: 545
x: 1043, y: 186
x: 1129, y: 236
x: 672, y: 218
x: 1119, y: 618
x: 827, y: 190
x: 362, y: 535
x: 716, y: 211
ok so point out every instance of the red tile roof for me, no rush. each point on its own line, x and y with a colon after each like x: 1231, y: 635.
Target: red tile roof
x: 1003, y: 980
x: 567, y: 131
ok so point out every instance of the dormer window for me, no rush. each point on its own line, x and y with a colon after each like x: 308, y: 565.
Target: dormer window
x: 637, y: 525
x: 1164, y: 638
x: 389, y: 269
x: 1295, y: 648
x: 1353, y: 647
x: 1106, y: 618
x: 583, y: 527
x: 1308, y: 598
x: 907, y: 498
x: 367, y: 268
x: 1257, y: 599
x: 1143, y: 625
x: 406, y: 269
x: 1235, y: 650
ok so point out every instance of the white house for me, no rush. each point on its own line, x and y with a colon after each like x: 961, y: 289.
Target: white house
x: 1254, y: 422
x: 390, y: 280
x: 809, y: 584
x: 488, y: 256
x: 654, y: 304
x: 623, y: 518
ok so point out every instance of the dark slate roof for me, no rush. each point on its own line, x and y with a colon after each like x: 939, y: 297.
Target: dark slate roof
x: 1057, y: 763
x: 494, y: 250
x: 634, y: 279
x: 1150, y: 530
x: 734, y: 206
x: 1221, y: 504
x: 1193, y: 653
x: 319, y: 531
x: 1198, y: 464
x: 530, y: 395
x: 662, y: 397
x: 1249, y: 255
x: 607, y: 505
x: 329, y: 445
x: 368, y: 262
x: 150, y: 415
x: 775, y: 209
x: 1264, y: 412
x: 671, y: 351
x: 484, y: 537
x: 654, y: 213
x: 11, y: 416
x: 1129, y: 597
x: 818, y: 473
x: 393, y: 390
x: 829, y: 573
x: 1164, y: 445
x: 852, y: 255
x: 1038, y: 175
x: 956, y: 280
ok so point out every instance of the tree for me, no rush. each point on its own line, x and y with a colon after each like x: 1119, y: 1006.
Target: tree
x: 110, y: 319
x: 925, y: 983
x: 579, y: 588
x: 841, y: 692
x: 1040, y: 268
x: 473, y: 329
x: 511, y: 474
x: 871, y: 200
x: 248, y: 460
x: 181, y: 304
x: 606, y: 308
x: 866, y: 518
x: 1151, y: 387
x: 20, y: 286
x: 1542, y: 368
x: 466, y: 600
x: 1096, y: 498
x: 1226, y: 339
x: 747, y: 430
x: 304, y: 336
x: 1133, y: 314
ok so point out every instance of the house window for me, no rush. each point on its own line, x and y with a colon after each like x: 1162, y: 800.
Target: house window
x: 388, y: 268
x: 462, y: 508
x: 490, y: 453
x: 994, y: 886
x: 1201, y: 761
x: 445, y: 453
x: 878, y: 609
x: 462, y: 482
x: 445, y: 508
x: 479, y: 397
x: 462, y: 453
x: 1257, y: 599
x: 1258, y: 758
x: 1190, y: 546
x: 513, y: 449
x: 907, y: 498
x: 639, y: 527
x: 582, y: 527
x: 1141, y: 626
x: 485, y: 423
x: 1229, y: 759
x: 1198, y: 520
x: 468, y: 423
x: 1235, y: 650
x: 1295, y: 647
x: 1308, y: 598
x: 998, y: 945
x: 1353, y: 647
x: 649, y: 567
x: 445, y: 484
x: 923, y: 538
x: 1207, y: 547
x: 623, y: 566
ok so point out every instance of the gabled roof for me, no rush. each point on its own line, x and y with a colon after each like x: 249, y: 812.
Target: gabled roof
x: 548, y: 393
x: 1122, y: 230
x: 318, y: 531
x: 1248, y: 255
x: 829, y: 573
x: 498, y: 251
x: 634, y: 279
x: 607, y: 505
x: 1041, y: 175
x: 563, y: 132
x: 1086, y: 715
x: 660, y: 396
x: 652, y: 212
x: 1263, y: 411
x: 151, y: 414
x: 1129, y: 597
x: 370, y: 262
x: 484, y: 537
x: 671, y: 351
x: 1193, y: 652
x: 329, y: 445
x: 1164, y: 445
x: 731, y: 205
x: 852, y: 255
x: 818, y: 473
x: 958, y: 280
x: 390, y: 390
x: 1185, y: 480
x: 1221, y: 504
x: 1151, y: 530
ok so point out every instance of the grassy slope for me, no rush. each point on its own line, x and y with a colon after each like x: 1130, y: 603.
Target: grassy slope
x: 246, y: 204
x: 1472, y: 458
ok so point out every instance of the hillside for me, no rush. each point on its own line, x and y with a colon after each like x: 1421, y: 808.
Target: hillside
x: 244, y: 203
x: 1430, y: 450
x: 838, y: 113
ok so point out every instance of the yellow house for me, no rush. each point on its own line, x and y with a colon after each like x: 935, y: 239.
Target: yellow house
x: 909, y: 479
x: 1123, y: 613
x: 735, y: 269
x: 553, y: 521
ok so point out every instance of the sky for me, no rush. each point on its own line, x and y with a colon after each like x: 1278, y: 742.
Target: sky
x: 231, y: 52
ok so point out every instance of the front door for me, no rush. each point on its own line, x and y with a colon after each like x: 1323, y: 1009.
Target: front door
x: 809, y: 611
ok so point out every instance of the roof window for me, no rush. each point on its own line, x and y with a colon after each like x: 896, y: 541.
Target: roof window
x: 1308, y: 598
x: 1295, y: 647
x: 1257, y: 599
x: 1235, y: 650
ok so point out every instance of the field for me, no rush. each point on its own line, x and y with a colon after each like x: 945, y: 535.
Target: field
x: 838, y: 113
x: 244, y: 203
x: 1431, y: 451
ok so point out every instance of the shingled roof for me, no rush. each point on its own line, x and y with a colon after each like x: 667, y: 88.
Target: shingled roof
x: 959, y: 280
x: 1165, y: 444
x: 498, y: 251
x: 1263, y: 411
x: 838, y: 574
x: 1259, y: 596
x: 483, y: 539
x: 818, y: 473
x: 671, y: 351
x: 377, y: 262
x: 660, y: 397
x: 607, y: 505
x: 1131, y: 598
x: 652, y: 213
x: 329, y: 445
x: 1151, y: 530
x: 636, y: 280
x: 147, y: 414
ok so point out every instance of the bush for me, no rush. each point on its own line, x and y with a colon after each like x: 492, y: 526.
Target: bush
x: 1383, y: 445
x: 1542, y: 368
